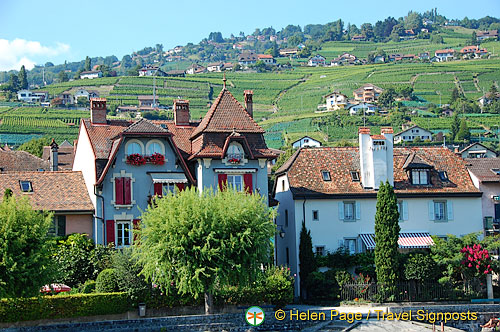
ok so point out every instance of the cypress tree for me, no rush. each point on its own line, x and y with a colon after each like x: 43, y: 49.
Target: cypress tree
x: 463, y: 131
x: 455, y: 125
x: 23, y: 78
x: 307, y: 263
x: 386, y: 239
x: 88, y: 64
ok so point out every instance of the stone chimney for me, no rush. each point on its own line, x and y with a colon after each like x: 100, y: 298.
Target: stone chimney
x: 98, y: 111
x: 181, y: 112
x: 376, y: 153
x: 248, y: 94
x: 53, y: 157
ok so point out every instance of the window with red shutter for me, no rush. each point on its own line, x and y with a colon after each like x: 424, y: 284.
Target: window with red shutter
x: 127, y: 192
x: 110, y: 231
x: 158, y: 189
x: 222, y: 181
x: 247, y: 179
x: 119, y: 191
x: 123, y: 191
x: 180, y: 186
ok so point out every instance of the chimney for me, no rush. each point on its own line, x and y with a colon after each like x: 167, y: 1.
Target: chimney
x: 98, y: 111
x: 376, y: 157
x: 248, y: 94
x: 181, y: 112
x: 53, y: 157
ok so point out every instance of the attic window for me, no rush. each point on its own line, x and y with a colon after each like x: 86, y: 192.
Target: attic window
x: 26, y: 186
x: 326, y: 176
x: 496, y: 171
x: 443, y: 175
x: 355, y: 176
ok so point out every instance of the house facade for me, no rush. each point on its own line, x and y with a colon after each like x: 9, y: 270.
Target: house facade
x: 84, y: 93
x: 28, y: 96
x: 90, y: 74
x: 444, y: 55
x: 482, y: 35
x: 151, y: 71
x: 477, y: 150
x: 411, y: 133
x: 317, y: 60
x: 306, y: 141
x: 246, y: 59
x: 132, y: 162
x: 336, y: 101
x: 334, y: 191
x: 268, y: 59
x: 367, y: 93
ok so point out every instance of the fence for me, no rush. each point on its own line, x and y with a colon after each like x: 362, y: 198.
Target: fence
x: 412, y: 291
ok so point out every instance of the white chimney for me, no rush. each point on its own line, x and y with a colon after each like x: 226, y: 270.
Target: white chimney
x: 376, y: 155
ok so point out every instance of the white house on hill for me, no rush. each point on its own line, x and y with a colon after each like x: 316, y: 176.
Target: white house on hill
x: 306, y: 141
x: 411, y: 133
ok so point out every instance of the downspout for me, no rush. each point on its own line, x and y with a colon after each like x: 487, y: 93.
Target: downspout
x: 101, y: 218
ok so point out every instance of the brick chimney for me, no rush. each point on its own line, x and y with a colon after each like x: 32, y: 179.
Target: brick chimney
x: 376, y: 157
x: 248, y: 94
x: 98, y: 111
x: 53, y: 157
x: 181, y: 112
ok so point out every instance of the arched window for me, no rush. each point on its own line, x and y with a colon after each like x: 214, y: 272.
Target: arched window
x: 155, y: 146
x: 133, y: 148
x: 235, y: 150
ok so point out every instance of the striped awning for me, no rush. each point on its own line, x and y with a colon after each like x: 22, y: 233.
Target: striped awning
x: 405, y: 241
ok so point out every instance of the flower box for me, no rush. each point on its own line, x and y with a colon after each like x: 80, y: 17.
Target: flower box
x: 138, y: 160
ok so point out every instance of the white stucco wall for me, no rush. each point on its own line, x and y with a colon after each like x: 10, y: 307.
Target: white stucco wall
x: 84, y: 162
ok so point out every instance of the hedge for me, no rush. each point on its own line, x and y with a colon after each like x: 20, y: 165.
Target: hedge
x: 62, y: 306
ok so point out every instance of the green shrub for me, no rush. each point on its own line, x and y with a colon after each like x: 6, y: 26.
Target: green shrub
x: 278, y: 286
x: 421, y: 267
x: 107, y: 281
x: 131, y: 282
x: 343, y: 277
x: 88, y: 287
x: 52, y: 307
x: 323, y: 286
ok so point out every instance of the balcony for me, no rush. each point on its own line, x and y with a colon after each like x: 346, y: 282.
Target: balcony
x: 491, y: 225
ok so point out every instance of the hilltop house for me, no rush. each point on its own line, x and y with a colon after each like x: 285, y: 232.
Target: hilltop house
x: 476, y: 150
x: 215, y: 67
x: 473, y: 51
x: 288, y: 51
x: 148, y: 102
x: 409, y: 135
x: 29, y: 96
x: 344, y: 59
x: 367, y: 93
x: 247, y: 58
x: 66, y: 98
x: 63, y: 193
x: 267, y: 59
x: 151, y: 71
x: 90, y: 74
x: 482, y: 35
x: 485, y: 174
x: 362, y: 108
x: 317, y: 60
x: 305, y: 141
x: 195, y: 69
x: 131, y: 162
x: 85, y: 94
x: 444, y: 55
x: 336, y: 101
x: 333, y: 190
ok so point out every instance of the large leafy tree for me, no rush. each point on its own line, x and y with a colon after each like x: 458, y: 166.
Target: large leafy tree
x: 386, y: 238
x: 35, y: 146
x: 199, y: 240
x: 25, y: 262
x: 307, y: 263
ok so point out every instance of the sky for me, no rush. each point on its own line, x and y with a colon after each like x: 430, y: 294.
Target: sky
x: 34, y: 31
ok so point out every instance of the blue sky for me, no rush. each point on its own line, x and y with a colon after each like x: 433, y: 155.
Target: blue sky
x: 35, y: 31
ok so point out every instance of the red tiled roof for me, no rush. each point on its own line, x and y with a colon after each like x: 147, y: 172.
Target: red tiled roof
x: 52, y: 191
x: 16, y: 161
x: 265, y: 56
x: 226, y: 115
x: 305, y: 166
x: 181, y: 134
x: 483, y: 168
x: 101, y: 135
x: 65, y: 157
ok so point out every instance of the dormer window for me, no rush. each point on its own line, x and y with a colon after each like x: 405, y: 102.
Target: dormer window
x: 419, y: 176
x: 443, y: 175
x: 355, y: 176
x: 134, y: 148
x: 26, y: 186
x: 326, y: 176
x: 234, y: 153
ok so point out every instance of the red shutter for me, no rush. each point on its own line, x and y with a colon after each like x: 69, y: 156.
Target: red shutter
x: 127, y: 193
x: 110, y: 231
x: 180, y: 186
x: 158, y: 188
x: 119, y: 191
x: 136, y: 226
x: 222, y: 179
x: 247, y: 179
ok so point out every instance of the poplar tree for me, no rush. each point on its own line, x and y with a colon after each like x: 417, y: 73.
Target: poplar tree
x: 88, y: 64
x: 307, y: 263
x: 23, y: 78
x: 386, y: 239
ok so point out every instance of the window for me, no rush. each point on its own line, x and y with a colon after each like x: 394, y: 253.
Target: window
x: 443, y: 176
x: 287, y: 256
x: 163, y: 188
x: 326, y: 176
x: 286, y: 218
x: 355, y: 176
x: 315, y: 215
x: 403, y: 210
x: 58, y: 227
x: 349, y: 211
x: 123, y: 191
x: 378, y: 143
x: 419, y: 176
x: 283, y: 185
x: 235, y: 181
x: 440, y: 211
x: 26, y: 186
x: 133, y: 148
x: 320, y: 250
x: 234, y: 151
x: 123, y: 233
x: 350, y: 245
x: 154, y: 147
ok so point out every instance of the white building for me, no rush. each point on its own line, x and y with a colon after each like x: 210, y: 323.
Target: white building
x: 84, y: 93
x: 336, y: 101
x: 306, y: 141
x: 27, y: 96
x: 411, y: 133
x: 334, y: 189
x: 444, y: 55
x: 268, y: 59
x: 477, y: 150
x: 215, y: 67
x: 90, y: 74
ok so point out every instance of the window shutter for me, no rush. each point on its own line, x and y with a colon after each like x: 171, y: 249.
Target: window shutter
x: 127, y: 192
x: 158, y: 189
x: 431, y: 210
x: 449, y: 209
x: 61, y: 225
x: 358, y: 210
x: 405, y: 210
x: 222, y: 180
x: 119, y: 191
x: 180, y: 186
x: 341, y: 211
x: 247, y: 179
x: 136, y: 226
x: 110, y: 232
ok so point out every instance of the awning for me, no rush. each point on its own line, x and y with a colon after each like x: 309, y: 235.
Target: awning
x: 405, y: 241
x: 235, y: 170
x: 168, y: 177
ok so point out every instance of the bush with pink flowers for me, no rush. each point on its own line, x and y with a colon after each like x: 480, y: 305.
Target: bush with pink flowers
x: 476, y: 261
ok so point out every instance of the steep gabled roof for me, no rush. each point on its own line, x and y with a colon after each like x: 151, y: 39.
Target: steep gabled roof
x: 144, y: 126
x: 226, y: 115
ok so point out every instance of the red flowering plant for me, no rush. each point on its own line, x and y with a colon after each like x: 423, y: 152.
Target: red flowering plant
x: 136, y: 159
x: 157, y: 159
x: 476, y: 261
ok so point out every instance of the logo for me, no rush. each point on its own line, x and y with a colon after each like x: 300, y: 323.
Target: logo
x: 255, y: 316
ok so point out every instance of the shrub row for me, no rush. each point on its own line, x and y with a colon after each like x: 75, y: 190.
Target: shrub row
x: 62, y: 306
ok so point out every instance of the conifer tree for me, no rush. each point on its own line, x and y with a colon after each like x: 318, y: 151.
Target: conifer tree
x: 23, y: 79
x: 307, y: 263
x: 463, y: 131
x: 88, y: 64
x: 386, y: 239
x: 455, y: 125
